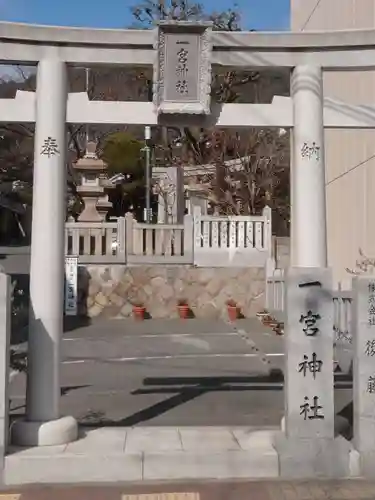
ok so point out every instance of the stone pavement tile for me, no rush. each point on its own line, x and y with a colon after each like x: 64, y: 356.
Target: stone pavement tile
x: 309, y: 491
x: 153, y: 439
x: 224, y: 465
x: 208, y: 439
x: 250, y: 438
x: 359, y: 489
x: 36, y: 451
x: 72, y: 469
x: 100, y: 441
x: 320, y: 490
x: 350, y: 489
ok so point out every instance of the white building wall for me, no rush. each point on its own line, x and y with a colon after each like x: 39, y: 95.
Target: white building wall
x: 350, y: 154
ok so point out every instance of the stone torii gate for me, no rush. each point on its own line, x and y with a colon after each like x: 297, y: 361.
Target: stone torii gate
x: 182, y: 55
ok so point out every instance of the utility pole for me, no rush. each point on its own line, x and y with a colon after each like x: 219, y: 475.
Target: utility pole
x: 87, y: 75
x: 147, y: 213
x: 161, y: 9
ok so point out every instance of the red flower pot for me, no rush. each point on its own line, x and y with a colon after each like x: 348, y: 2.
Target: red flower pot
x: 139, y: 312
x: 183, y: 310
x: 267, y: 320
x: 232, y: 313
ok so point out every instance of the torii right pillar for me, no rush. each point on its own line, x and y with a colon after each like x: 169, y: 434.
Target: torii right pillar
x: 309, y: 217
x: 307, y: 447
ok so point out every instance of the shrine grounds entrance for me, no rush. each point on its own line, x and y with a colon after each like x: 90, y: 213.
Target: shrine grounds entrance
x: 182, y: 79
x: 169, y: 372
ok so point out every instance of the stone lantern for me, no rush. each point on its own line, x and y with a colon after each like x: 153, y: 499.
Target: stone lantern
x: 91, y: 189
x: 104, y: 205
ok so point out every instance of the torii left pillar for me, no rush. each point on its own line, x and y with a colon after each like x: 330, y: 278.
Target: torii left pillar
x: 43, y: 425
x: 309, y: 212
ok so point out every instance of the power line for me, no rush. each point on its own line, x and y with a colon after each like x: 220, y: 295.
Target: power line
x: 311, y: 14
x: 370, y: 157
x: 351, y: 169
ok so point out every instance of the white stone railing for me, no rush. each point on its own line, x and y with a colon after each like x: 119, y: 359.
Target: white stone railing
x: 200, y: 240
x: 128, y: 241
x: 94, y: 242
x: 233, y: 240
x: 164, y: 241
x: 275, y: 291
x: 159, y: 243
x: 343, y: 315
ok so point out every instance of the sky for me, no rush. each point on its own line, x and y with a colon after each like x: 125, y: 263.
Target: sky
x: 257, y: 14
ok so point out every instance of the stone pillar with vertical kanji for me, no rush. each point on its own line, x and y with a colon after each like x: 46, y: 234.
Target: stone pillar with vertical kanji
x: 308, y: 448
x: 44, y: 424
x: 364, y: 373
x: 308, y: 186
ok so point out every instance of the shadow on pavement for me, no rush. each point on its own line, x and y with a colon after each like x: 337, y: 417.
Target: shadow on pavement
x: 64, y: 391
x: 347, y: 416
x: 75, y: 322
x: 183, y: 390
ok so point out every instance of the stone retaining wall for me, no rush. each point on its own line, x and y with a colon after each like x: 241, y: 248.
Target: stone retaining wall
x: 110, y: 291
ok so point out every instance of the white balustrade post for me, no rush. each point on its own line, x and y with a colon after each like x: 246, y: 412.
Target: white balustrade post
x: 175, y: 195
x: 129, y: 234
x: 197, y: 233
x: 43, y: 425
x: 267, y: 236
x: 309, y: 218
x: 121, y: 239
x: 189, y: 238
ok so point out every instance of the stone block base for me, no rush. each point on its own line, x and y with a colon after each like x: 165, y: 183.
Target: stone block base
x: 52, y: 433
x: 362, y: 464
x: 312, y: 458
x: 342, y: 426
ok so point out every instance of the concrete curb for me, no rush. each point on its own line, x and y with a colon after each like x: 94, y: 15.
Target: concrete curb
x: 84, y: 468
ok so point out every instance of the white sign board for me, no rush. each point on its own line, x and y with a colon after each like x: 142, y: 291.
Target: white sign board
x: 71, y: 286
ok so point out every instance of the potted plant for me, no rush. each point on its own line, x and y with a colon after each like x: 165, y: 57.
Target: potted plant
x: 183, y: 308
x: 232, y: 309
x: 262, y: 314
x: 279, y: 330
x: 267, y: 320
x: 139, y: 311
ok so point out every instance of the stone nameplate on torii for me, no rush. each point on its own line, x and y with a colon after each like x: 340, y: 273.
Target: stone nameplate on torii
x: 182, y: 69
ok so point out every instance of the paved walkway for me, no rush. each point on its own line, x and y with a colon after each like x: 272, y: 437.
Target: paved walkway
x: 168, y: 373
x: 172, y: 375
x: 111, y: 455
x: 254, y: 490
